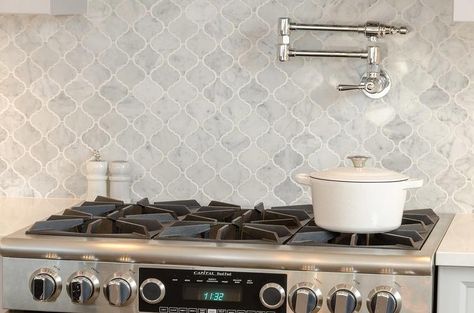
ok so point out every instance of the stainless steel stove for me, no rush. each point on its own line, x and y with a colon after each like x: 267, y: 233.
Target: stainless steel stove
x: 181, y: 257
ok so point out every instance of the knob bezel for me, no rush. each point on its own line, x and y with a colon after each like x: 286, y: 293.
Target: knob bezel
x: 131, y: 282
x: 57, y: 279
x: 159, y: 284
x: 313, y: 288
x: 95, y: 284
x: 347, y: 287
x: 388, y: 289
x: 280, y: 290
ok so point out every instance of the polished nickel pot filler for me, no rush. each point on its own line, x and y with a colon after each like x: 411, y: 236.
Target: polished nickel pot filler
x: 183, y: 257
x: 375, y: 83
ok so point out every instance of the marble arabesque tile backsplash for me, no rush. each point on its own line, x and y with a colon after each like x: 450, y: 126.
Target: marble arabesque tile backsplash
x: 191, y: 94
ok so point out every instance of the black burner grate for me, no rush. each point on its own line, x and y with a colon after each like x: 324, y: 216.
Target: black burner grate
x: 415, y: 229
x: 220, y: 221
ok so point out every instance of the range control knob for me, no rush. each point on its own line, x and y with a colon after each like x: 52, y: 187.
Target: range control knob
x: 384, y: 300
x: 119, y: 291
x: 45, y: 285
x: 344, y: 299
x: 83, y: 288
x: 305, y: 299
x: 152, y: 290
x: 272, y: 295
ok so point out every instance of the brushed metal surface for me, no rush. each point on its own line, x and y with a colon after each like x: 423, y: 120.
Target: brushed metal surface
x: 237, y: 255
x: 415, y: 291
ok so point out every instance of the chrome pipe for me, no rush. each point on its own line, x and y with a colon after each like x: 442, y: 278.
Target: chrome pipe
x: 336, y: 28
x: 372, y: 54
x: 337, y: 54
x: 371, y: 30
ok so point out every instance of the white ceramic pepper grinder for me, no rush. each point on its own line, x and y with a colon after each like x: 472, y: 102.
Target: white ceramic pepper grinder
x: 96, y: 177
x: 119, y: 178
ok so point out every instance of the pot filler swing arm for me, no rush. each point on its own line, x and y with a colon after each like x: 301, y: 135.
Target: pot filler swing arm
x: 375, y: 83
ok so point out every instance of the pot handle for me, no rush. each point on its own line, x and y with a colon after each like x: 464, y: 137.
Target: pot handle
x: 303, y: 179
x: 412, y: 183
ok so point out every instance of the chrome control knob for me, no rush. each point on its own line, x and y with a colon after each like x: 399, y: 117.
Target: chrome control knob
x: 43, y: 287
x: 272, y: 295
x: 384, y: 300
x: 152, y: 290
x: 118, y: 291
x: 305, y: 300
x: 344, y: 299
x: 83, y: 288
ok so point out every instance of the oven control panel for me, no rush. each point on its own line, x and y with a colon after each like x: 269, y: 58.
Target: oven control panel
x: 107, y: 287
x: 208, y: 291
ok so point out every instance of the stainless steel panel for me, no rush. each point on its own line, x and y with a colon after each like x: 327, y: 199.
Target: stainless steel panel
x: 415, y: 291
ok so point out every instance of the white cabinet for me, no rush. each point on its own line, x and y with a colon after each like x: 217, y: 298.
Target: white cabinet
x: 1, y: 284
x: 52, y: 7
x: 463, y: 11
x: 455, y: 289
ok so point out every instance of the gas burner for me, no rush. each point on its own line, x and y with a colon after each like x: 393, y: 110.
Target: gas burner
x: 415, y: 228
x: 177, y: 220
x: 224, y: 222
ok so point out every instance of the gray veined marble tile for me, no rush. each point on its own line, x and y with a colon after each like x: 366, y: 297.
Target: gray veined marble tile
x: 270, y: 174
x: 131, y: 75
x: 253, y: 190
x: 191, y: 93
x: 95, y: 138
x: 61, y: 105
x: 200, y: 76
x: 182, y: 60
x: 200, y: 173
x: 27, y: 135
x: 218, y: 93
x: 182, y: 187
x: 218, y: 60
x: 216, y: 188
x: 235, y: 141
x: 26, y: 166
x: 236, y: 12
x: 235, y: 76
x: 11, y: 88
x: 201, y: 44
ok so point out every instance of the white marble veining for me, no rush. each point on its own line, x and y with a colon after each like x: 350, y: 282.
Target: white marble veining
x: 191, y: 94
x: 457, y: 247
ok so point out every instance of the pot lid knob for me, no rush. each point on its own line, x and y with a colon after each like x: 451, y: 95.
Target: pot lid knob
x: 358, y: 160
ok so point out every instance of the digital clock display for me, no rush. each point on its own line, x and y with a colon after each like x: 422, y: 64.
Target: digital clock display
x: 212, y: 292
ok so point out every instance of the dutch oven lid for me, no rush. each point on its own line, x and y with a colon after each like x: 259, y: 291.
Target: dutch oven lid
x: 359, y: 173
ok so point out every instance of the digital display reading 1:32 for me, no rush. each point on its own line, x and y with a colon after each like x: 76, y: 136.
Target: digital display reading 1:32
x: 212, y: 292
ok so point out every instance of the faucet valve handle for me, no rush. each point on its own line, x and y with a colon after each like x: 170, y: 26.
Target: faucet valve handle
x: 373, y: 85
x: 362, y: 86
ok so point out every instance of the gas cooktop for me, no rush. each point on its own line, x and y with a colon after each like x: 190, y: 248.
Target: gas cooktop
x: 185, y: 257
x: 223, y: 222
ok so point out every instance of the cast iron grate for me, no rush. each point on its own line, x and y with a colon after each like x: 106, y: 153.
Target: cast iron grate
x: 223, y: 222
x: 411, y: 235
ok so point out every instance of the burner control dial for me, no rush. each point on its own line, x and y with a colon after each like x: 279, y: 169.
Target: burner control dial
x: 152, y: 291
x: 120, y: 290
x: 45, y: 285
x: 272, y: 295
x: 344, y: 299
x: 305, y: 298
x: 384, y: 300
x: 83, y: 287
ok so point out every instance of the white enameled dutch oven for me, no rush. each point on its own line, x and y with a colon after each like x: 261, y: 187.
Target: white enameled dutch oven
x: 358, y: 199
